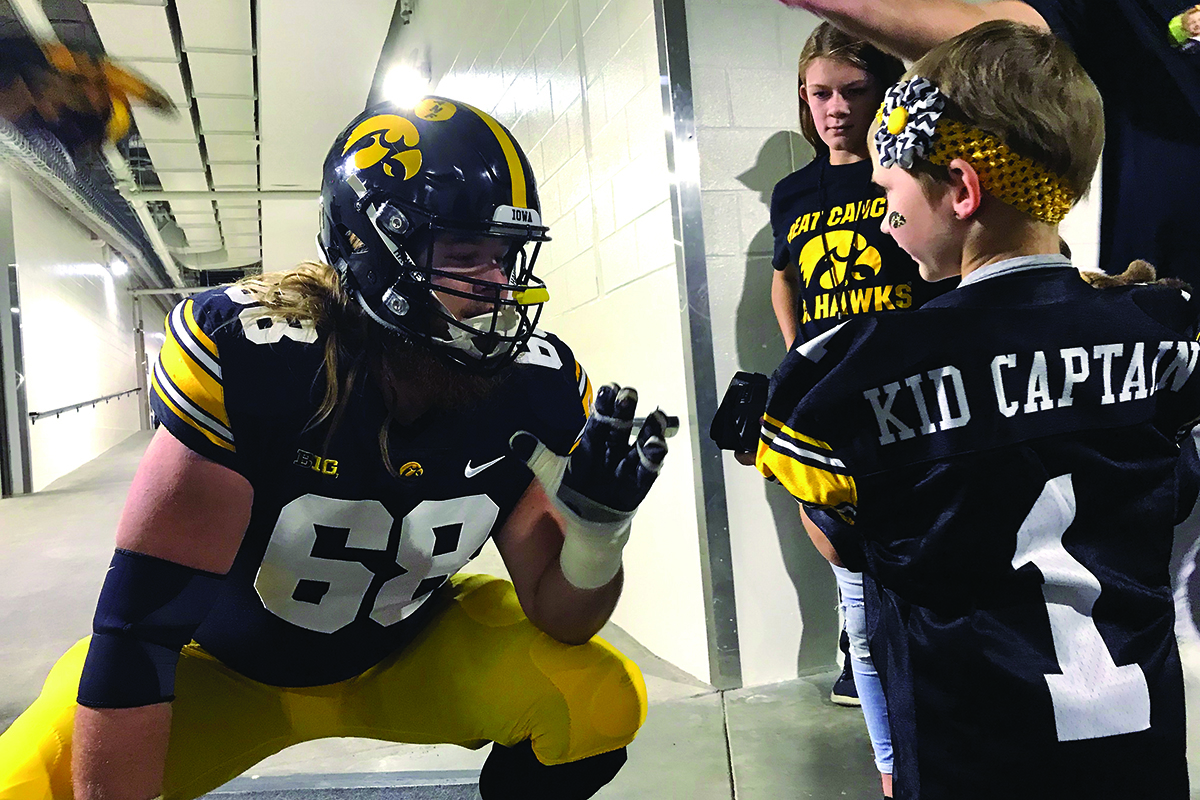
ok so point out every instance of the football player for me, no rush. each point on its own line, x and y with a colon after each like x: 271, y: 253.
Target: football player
x: 1002, y: 461
x: 336, y: 443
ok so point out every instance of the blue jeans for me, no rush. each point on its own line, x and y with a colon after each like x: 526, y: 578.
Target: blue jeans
x: 866, y: 679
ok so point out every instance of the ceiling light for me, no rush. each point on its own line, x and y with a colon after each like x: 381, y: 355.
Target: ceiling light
x: 405, y: 85
x: 118, y: 267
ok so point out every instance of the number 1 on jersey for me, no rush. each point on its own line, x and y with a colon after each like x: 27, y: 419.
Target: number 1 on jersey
x: 1092, y: 697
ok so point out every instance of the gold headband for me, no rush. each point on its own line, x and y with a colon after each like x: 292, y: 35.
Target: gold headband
x: 911, y: 125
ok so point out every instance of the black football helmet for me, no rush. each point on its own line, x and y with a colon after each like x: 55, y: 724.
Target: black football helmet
x: 395, y: 179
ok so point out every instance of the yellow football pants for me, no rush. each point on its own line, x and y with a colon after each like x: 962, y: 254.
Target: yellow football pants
x: 480, y: 672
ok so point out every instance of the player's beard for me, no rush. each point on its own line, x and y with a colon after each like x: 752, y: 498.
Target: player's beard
x: 442, y: 384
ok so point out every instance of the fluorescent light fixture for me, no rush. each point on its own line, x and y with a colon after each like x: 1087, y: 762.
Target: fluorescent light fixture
x: 118, y: 267
x: 405, y: 85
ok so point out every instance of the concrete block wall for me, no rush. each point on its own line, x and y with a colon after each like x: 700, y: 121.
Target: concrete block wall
x: 577, y: 82
x: 743, y: 55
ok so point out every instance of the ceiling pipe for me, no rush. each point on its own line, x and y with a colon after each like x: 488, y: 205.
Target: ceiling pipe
x: 230, y: 194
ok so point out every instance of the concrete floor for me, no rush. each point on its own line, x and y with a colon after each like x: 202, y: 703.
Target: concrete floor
x: 778, y: 742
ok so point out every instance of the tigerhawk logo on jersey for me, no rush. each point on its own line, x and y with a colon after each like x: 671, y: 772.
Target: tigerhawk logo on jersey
x: 387, y: 132
x: 325, y: 466
x: 411, y: 470
x: 939, y: 400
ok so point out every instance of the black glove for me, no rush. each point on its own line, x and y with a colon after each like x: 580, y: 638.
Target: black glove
x: 598, y: 487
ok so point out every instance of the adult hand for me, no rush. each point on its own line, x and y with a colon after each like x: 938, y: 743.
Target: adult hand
x: 598, y: 487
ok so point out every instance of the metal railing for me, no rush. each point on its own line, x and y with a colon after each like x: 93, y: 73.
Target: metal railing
x: 34, y: 416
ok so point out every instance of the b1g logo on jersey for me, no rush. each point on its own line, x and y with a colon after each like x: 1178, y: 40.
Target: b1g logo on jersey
x: 307, y: 460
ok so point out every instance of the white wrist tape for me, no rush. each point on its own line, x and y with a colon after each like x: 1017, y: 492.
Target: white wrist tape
x: 593, y: 534
x: 591, y: 551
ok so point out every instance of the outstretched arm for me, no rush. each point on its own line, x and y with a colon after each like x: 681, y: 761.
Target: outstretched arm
x: 188, y: 511
x: 909, y: 28
x: 530, y: 544
x: 562, y: 544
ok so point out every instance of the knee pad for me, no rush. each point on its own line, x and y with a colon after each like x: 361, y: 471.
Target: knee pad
x: 148, y: 610
x: 604, y: 692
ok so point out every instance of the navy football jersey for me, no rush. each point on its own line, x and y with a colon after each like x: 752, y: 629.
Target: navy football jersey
x: 340, y: 556
x: 1002, y: 463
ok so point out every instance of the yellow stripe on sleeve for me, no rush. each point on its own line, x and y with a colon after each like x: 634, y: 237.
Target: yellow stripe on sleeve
x: 189, y: 315
x: 798, y: 467
x: 519, y: 191
x: 196, y: 384
x: 212, y: 437
x: 585, y: 393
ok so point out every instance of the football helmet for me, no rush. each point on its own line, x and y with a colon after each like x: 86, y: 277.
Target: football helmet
x: 398, y: 178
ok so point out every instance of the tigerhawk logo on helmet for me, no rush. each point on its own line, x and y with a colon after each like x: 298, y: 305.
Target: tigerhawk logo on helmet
x: 461, y: 175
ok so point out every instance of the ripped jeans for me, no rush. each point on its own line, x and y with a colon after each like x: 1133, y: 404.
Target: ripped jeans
x: 866, y: 679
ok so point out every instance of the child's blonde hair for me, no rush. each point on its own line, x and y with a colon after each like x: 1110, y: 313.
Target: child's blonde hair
x: 1025, y: 87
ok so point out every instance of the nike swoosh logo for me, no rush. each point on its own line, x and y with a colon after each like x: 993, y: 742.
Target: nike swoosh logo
x: 471, y: 472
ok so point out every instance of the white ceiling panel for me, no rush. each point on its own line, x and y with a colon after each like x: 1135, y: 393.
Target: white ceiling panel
x: 243, y: 240
x: 197, y: 220
x: 183, y: 181
x: 307, y: 94
x: 236, y: 227
x: 289, y: 230
x: 175, y: 155
x: 244, y: 255
x: 219, y: 114
x: 237, y: 212
x: 221, y: 73
x: 223, y: 24
x: 132, y: 32
x: 245, y: 202
x: 202, y: 243
x: 201, y: 231
x: 157, y: 128
x: 166, y: 76
x: 231, y: 147
x: 226, y: 176
x: 190, y: 206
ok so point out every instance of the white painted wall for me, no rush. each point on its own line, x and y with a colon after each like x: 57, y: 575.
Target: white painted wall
x: 577, y: 82
x: 77, y: 337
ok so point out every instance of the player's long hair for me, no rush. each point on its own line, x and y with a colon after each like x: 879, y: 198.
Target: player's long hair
x: 827, y: 41
x: 354, y: 345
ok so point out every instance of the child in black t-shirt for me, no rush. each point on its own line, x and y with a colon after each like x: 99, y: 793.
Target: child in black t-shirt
x: 831, y: 259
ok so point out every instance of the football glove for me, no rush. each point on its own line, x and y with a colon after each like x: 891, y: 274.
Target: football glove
x: 598, y: 487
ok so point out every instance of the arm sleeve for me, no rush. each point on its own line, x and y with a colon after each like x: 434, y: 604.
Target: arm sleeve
x: 188, y: 385
x: 793, y: 446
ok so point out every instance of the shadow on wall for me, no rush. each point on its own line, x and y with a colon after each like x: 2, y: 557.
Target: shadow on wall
x: 760, y: 349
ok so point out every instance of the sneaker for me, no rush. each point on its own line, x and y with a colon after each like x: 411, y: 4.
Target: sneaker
x: 844, y: 691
